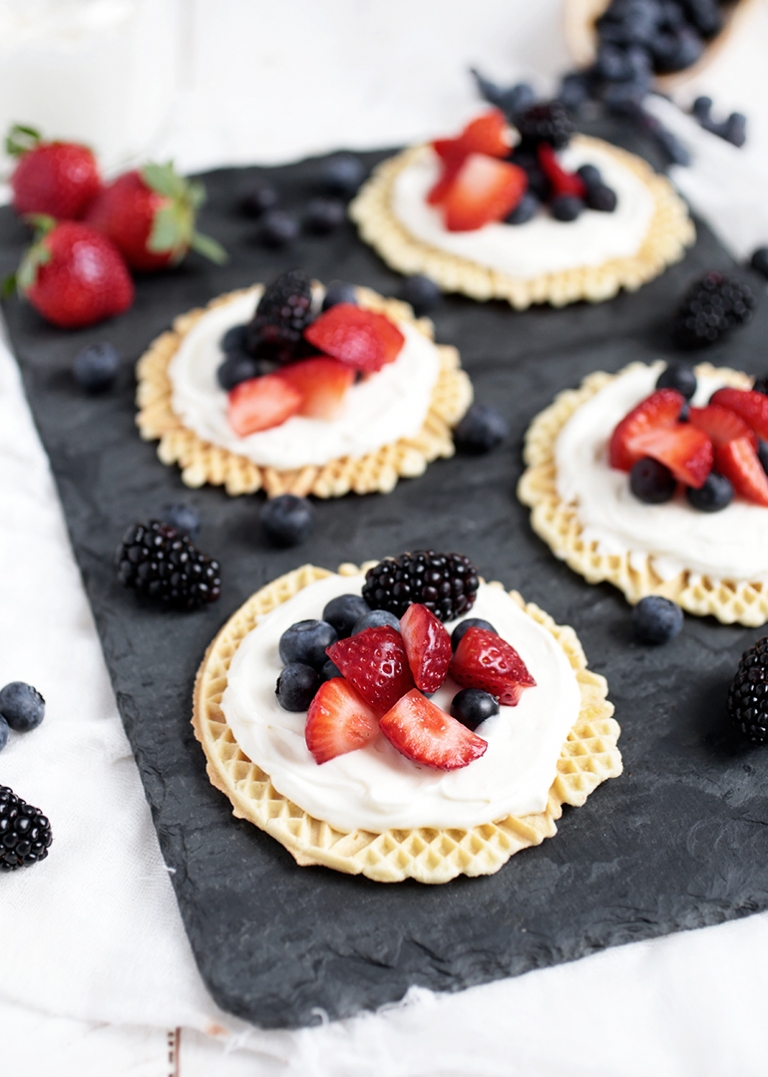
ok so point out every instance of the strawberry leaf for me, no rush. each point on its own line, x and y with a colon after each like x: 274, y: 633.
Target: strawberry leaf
x: 37, y: 255
x: 10, y: 286
x: 167, y: 231
x: 209, y: 248
x: 164, y: 180
x: 21, y: 139
x: 196, y: 193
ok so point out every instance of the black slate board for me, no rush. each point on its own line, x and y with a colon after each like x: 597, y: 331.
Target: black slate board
x: 679, y: 841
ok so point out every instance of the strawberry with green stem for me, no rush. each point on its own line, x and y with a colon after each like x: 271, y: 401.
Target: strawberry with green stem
x: 59, y: 179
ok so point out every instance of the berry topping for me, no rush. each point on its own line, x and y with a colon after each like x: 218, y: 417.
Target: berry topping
x: 656, y: 619
x: 471, y: 706
x: 342, y: 174
x: 651, y: 481
x: 421, y: 292
x: 339, y: 291
x: 25, y: 833
x: 427, y: 645
x: 714, y: 495
x: 761, y: 385
x: 483, y: 190
x: 566, y: 207
x: 679, y: 376
x: 549, y: 122
x: 307, y: 642
x: 748, y: 695
x: 343, y: 612
x: 361, y: 338
x: 96, y: 367
x: 330, y: 670
x: 339, y: 721
x: 425, y: 734
x: 711, y: 307
x: 154, y: 559
x: 752, y: 406
x: 525, y: 210
x: 484, y: 660
x: 488, y: 134
x: 446, y: 583
x: 59, y: 179
x: 261, y: 403
x: 283, y: 313
x: 258, y: 200
x: 601, y: 198
x: 374, y: 619
x: 721, y: 424
x: 759, y: 261
x: 287, y: 520
x: 323, y: 384
x: 463, y: 626
x: 279, y: 228
x: 658, y: 411
x: 183, y: 517
x: 739, y: 462
x: 324, y: 215
x: 296, y: 686
x: 235, y: 339
x: 683, y: 448
x: 22, y: 706
x: 481, y: 430
x: 591, y: 176
x: 375, y: 663
x: 239, y: 367
x: 562, y: 182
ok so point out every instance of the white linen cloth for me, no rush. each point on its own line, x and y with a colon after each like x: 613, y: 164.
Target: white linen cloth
x: 94, y: 963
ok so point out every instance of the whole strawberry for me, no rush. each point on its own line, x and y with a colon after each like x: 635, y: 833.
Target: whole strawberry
x: 74, y: 276
x: 149, y: 214
x: 59, y: 179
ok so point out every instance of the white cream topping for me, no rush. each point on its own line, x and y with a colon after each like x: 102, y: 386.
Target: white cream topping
x: 378, y: 410
x: 376, y: 788
x: 727, y: 545
x: 543, y: 245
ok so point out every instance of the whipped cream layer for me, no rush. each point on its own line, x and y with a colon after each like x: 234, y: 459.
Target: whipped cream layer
x: 376, y: 788
x: 377, y: 411
x: 543, y: 245
x: 727, y: 545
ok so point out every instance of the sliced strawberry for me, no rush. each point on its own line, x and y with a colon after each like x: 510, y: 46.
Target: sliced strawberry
x: 751, y: 406
x: 489, y: 134
x: 427, y: 735
x: 441, y: 188
x: 484, y: 660
x: 484, y: 190
x: 375, y: 663
x: 261, y: 403
x: 720, y: 424
x: 684, y: 449
x: 660, y: 409
x: 338, y: 721
x: 562, y: 182
x: 739, y: 462
x: 360, y: 338
x: 427, y: 645
x: 323, y: 384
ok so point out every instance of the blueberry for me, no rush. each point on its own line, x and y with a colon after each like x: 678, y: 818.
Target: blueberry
x: 296, y: 687
x: 705, y: 16
x: 421, y: 292
x: 469, y: 622
x: 678, y: 376
x: 525, y: 210
x: 714, y: 495
x: 591, y: 176
x: 344, y: 611
x: 601, y: 198
x: 612, y: 64
x: 258, y: 200
x: 342, y: 174
x: 761, y: 385
x: 736, y: 129
x: 481, y: 429
x: 651, y: 481
x: 4, y: 731
x: 471, y: 706
x: 566, y: 207
x: 235, y: 339
x: 679, y: 50
x: 330, y: 670
x: 575, y: 90
x: 279, y: 228
x: 306, y: 642
x: 183, y: 517
x: 656, y: 619
x: 287, y: 520
x: 702, y: 107
x: 96, y: 367
x: 237, y: 367
x: 324, y: 215
x: 338, y: 291
x: 375, y: 619
x: 762, y: 452
x: 22, y: 706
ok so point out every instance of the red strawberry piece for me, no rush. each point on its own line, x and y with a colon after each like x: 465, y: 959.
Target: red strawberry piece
x: 323, y: 384
x: 427, y: 735
x: 489, y: 134
x: 484, y: 660
x: 375, y: 663
x: 427, y: 645
x: 739, y: 462
x: 684, y: 449
x: 361, y: 338
x: 562, y: 182
x: 73, y: 276
x: 658, y: 410
x: 261, y: 403
x: 338, y: 721
x: 751, y: 406
x: 484, y: 190
x: 149, y: 214
x: 720, y: 424
x: 441, y: 188
x: 58, y: 179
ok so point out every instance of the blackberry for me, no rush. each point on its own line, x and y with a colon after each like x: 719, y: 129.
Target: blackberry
x: 549, y: 121
x: 283, y: 313
x: 712, y: 306
x: 748, y: 695
x: 25, y: 833
x: 446, y: 583
x: 156, y: 560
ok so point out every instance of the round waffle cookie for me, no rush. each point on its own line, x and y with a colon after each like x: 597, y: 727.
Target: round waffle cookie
x: 558, y: 524
x: 376, y: 472
x: 429, y: 855
x: 669, y: 232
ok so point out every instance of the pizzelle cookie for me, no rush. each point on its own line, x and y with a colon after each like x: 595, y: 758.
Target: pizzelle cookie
x: 218, y: 459
x: 429, y: 854
x: 707, y: 562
